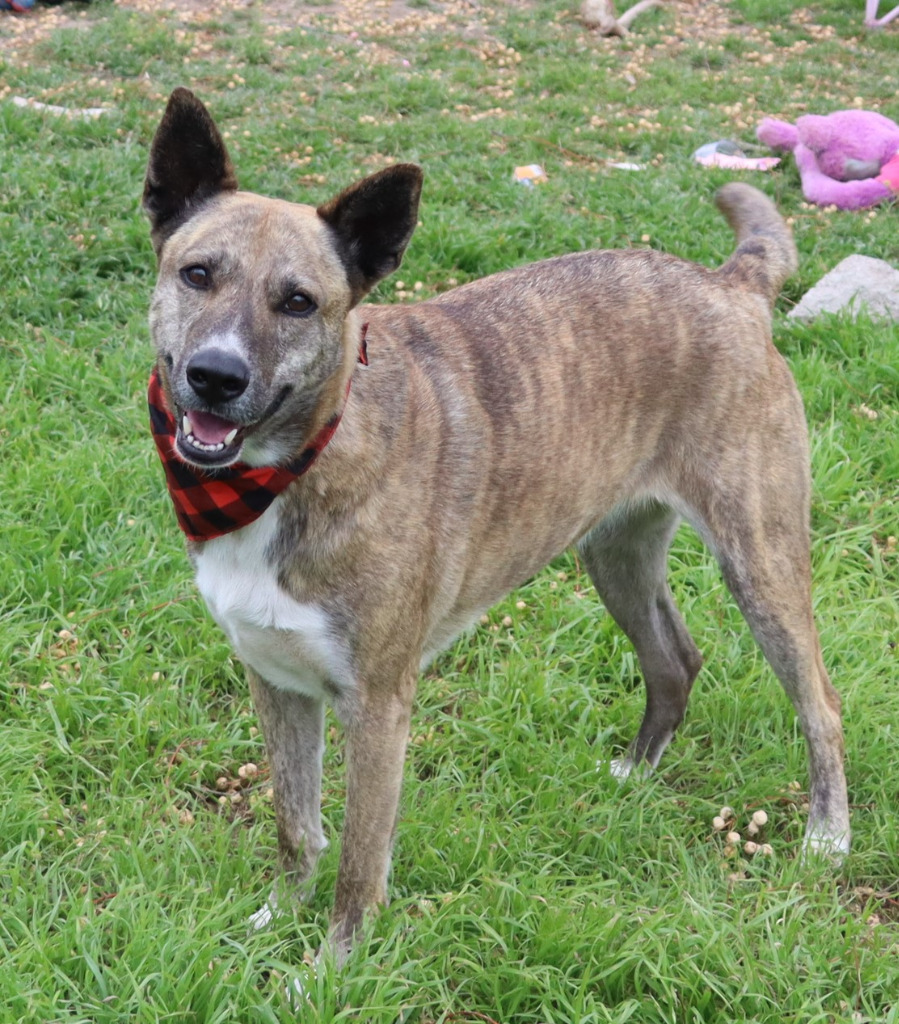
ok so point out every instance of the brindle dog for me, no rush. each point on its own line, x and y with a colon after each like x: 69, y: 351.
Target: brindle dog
x: 596, y: 399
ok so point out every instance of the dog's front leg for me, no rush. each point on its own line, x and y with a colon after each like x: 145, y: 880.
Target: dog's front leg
x: 293, y: 727
x: 376, y: 749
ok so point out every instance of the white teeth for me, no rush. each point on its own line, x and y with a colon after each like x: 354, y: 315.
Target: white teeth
x: 194, y: 443
x: 201, y: 445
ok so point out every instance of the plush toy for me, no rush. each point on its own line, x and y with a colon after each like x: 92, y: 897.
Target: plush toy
x: 848, y: 159
x: 871, y: 19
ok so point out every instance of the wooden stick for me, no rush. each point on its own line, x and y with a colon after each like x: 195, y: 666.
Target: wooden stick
x: 600, y: 14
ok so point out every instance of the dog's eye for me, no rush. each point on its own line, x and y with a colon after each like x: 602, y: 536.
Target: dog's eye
x: 196, y: 277
x: 299, y: 305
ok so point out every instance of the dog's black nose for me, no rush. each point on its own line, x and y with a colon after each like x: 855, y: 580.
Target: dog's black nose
x: 217, y: 376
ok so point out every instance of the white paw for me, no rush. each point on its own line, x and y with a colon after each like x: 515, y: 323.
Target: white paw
x: 298, y: 989
x: 619, y: 767
x: 833, y: 847
x: 265, y: 914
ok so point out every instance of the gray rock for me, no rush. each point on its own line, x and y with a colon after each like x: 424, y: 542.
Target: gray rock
x: 856, y: 282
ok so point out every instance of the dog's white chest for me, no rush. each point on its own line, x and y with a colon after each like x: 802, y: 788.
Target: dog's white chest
x: 291, y: 644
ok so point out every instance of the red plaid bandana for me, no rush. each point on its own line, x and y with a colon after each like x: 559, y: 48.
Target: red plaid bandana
x: 210, y: 504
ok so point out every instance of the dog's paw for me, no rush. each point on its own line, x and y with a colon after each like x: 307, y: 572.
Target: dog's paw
x: 823, y: 845
x: 620, y: 768
x: 264, y: 916
x: 280, y: 899
x: 298, y: 989
x: 303, y: 987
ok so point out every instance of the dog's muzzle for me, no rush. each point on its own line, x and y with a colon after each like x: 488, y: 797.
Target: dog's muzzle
x: 216, y: 377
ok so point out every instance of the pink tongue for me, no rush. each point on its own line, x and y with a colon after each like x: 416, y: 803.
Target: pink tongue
x: 208, y: 428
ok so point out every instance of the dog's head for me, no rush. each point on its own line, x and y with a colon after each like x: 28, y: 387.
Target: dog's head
x: 249, y: 315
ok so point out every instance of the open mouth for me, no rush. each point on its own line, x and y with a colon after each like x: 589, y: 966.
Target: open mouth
x: 211, y: 441
x: 208, y: 439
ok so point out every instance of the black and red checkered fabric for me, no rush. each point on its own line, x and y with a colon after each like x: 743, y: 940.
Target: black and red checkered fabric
x: 211, y: 503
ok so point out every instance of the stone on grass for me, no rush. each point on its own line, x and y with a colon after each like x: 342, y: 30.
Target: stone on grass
x: 858, y: 282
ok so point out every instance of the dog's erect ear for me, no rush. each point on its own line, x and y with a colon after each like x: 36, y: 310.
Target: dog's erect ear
x: 188, y: 165
x: 374, y: 220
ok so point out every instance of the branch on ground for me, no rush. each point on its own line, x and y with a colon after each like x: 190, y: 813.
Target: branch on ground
x: 600, y: 14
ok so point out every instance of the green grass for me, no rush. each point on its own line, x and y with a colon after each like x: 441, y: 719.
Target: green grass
x: 527, y: 886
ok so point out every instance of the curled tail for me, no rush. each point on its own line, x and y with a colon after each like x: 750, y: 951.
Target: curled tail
x: 766, y: 254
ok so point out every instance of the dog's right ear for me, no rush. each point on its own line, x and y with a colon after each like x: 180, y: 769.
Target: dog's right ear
x: 188, y: 165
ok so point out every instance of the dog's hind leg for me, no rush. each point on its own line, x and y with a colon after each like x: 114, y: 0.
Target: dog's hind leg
x: 756, y: 520
x: 627, y: 557
x: 293, y: 728
x: 769, y: 577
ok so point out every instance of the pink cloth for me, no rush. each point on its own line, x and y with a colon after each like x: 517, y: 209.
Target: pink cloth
x: 738, y: 163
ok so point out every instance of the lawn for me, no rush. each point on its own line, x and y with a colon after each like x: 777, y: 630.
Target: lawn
x: 136, y: 831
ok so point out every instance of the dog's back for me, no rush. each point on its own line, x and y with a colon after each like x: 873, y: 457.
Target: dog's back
x: 564, y: 390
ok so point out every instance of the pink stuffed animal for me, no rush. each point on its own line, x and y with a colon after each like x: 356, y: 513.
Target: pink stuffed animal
x: 871, y: 19
x: 849, y: 159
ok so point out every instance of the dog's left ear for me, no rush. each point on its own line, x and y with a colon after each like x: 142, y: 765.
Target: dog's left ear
x: 188, y: 165
x: 373, y: 221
